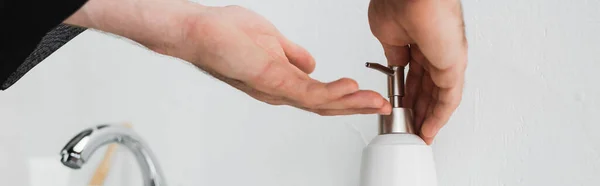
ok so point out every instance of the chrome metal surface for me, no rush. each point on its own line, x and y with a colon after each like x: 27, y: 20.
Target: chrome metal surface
x: 396, y: 86
x: 395, y: 81
x: 81, y: 147
x: 381, y: 68
x: 400, y: 121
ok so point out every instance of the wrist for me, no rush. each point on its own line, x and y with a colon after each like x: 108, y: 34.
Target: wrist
x: 156, y: 24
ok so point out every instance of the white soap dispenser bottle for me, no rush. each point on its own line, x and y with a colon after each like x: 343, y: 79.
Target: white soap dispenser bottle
x: 397, y: 156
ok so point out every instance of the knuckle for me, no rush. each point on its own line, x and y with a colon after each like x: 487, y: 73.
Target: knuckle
x: 351, y: 83
x: 276, y: 54
x: 448, y: 78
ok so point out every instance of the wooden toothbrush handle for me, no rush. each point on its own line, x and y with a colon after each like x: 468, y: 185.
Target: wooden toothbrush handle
x: 103, y: 169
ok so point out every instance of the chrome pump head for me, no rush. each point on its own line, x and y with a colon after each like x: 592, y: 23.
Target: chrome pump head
x: 401, y: 119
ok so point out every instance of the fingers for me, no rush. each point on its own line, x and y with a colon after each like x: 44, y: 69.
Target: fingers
x: 444, y: 100
x: 335, y: 89
x: 447, y: 101
x: 286, y: 81
x: 397, y: 55
x: 358, y: 100
x: 438, y: 30
x: 423, y: 100
x: 434, y: 105
x: 413, y: 83
x: 429, y: 113
x: 334, y: 112
x: 285, y: 78
x: 340, y: 97
x: 450, y: 77
x: 312, y: 93
x: 298, y: 56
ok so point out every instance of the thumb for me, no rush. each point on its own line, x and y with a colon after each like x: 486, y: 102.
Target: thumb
x: 397, y: 55
x: 298, y: 56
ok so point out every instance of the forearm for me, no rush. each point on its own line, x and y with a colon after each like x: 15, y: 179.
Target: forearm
x: 152, y: 23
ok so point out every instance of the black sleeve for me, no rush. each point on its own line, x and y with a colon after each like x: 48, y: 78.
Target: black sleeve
x: 24, y: 24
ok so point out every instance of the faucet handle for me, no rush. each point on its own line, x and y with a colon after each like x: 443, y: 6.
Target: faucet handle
x: 395, y: 81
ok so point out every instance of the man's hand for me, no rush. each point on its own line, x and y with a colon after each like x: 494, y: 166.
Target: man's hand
x: 430, y: 35
x: 236, y: 46
x: 246, y: 51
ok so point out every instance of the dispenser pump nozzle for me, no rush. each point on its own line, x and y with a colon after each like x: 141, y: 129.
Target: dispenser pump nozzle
x: 400, y: 120
x: 395, y: 82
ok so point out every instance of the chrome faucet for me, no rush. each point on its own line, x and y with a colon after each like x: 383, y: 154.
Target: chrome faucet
x: 79, y: 150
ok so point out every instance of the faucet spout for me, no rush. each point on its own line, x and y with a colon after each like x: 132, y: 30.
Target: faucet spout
x: 81, y: 147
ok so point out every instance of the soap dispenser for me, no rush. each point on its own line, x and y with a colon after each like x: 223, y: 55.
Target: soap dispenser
x: 397, y: 156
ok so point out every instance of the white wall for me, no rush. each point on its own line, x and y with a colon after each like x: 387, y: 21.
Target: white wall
x: 527, y: 116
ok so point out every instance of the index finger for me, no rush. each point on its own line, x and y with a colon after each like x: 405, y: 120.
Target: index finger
x: 447, y: 101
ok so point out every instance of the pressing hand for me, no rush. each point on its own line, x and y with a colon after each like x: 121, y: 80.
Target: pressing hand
x: 428, y: 36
